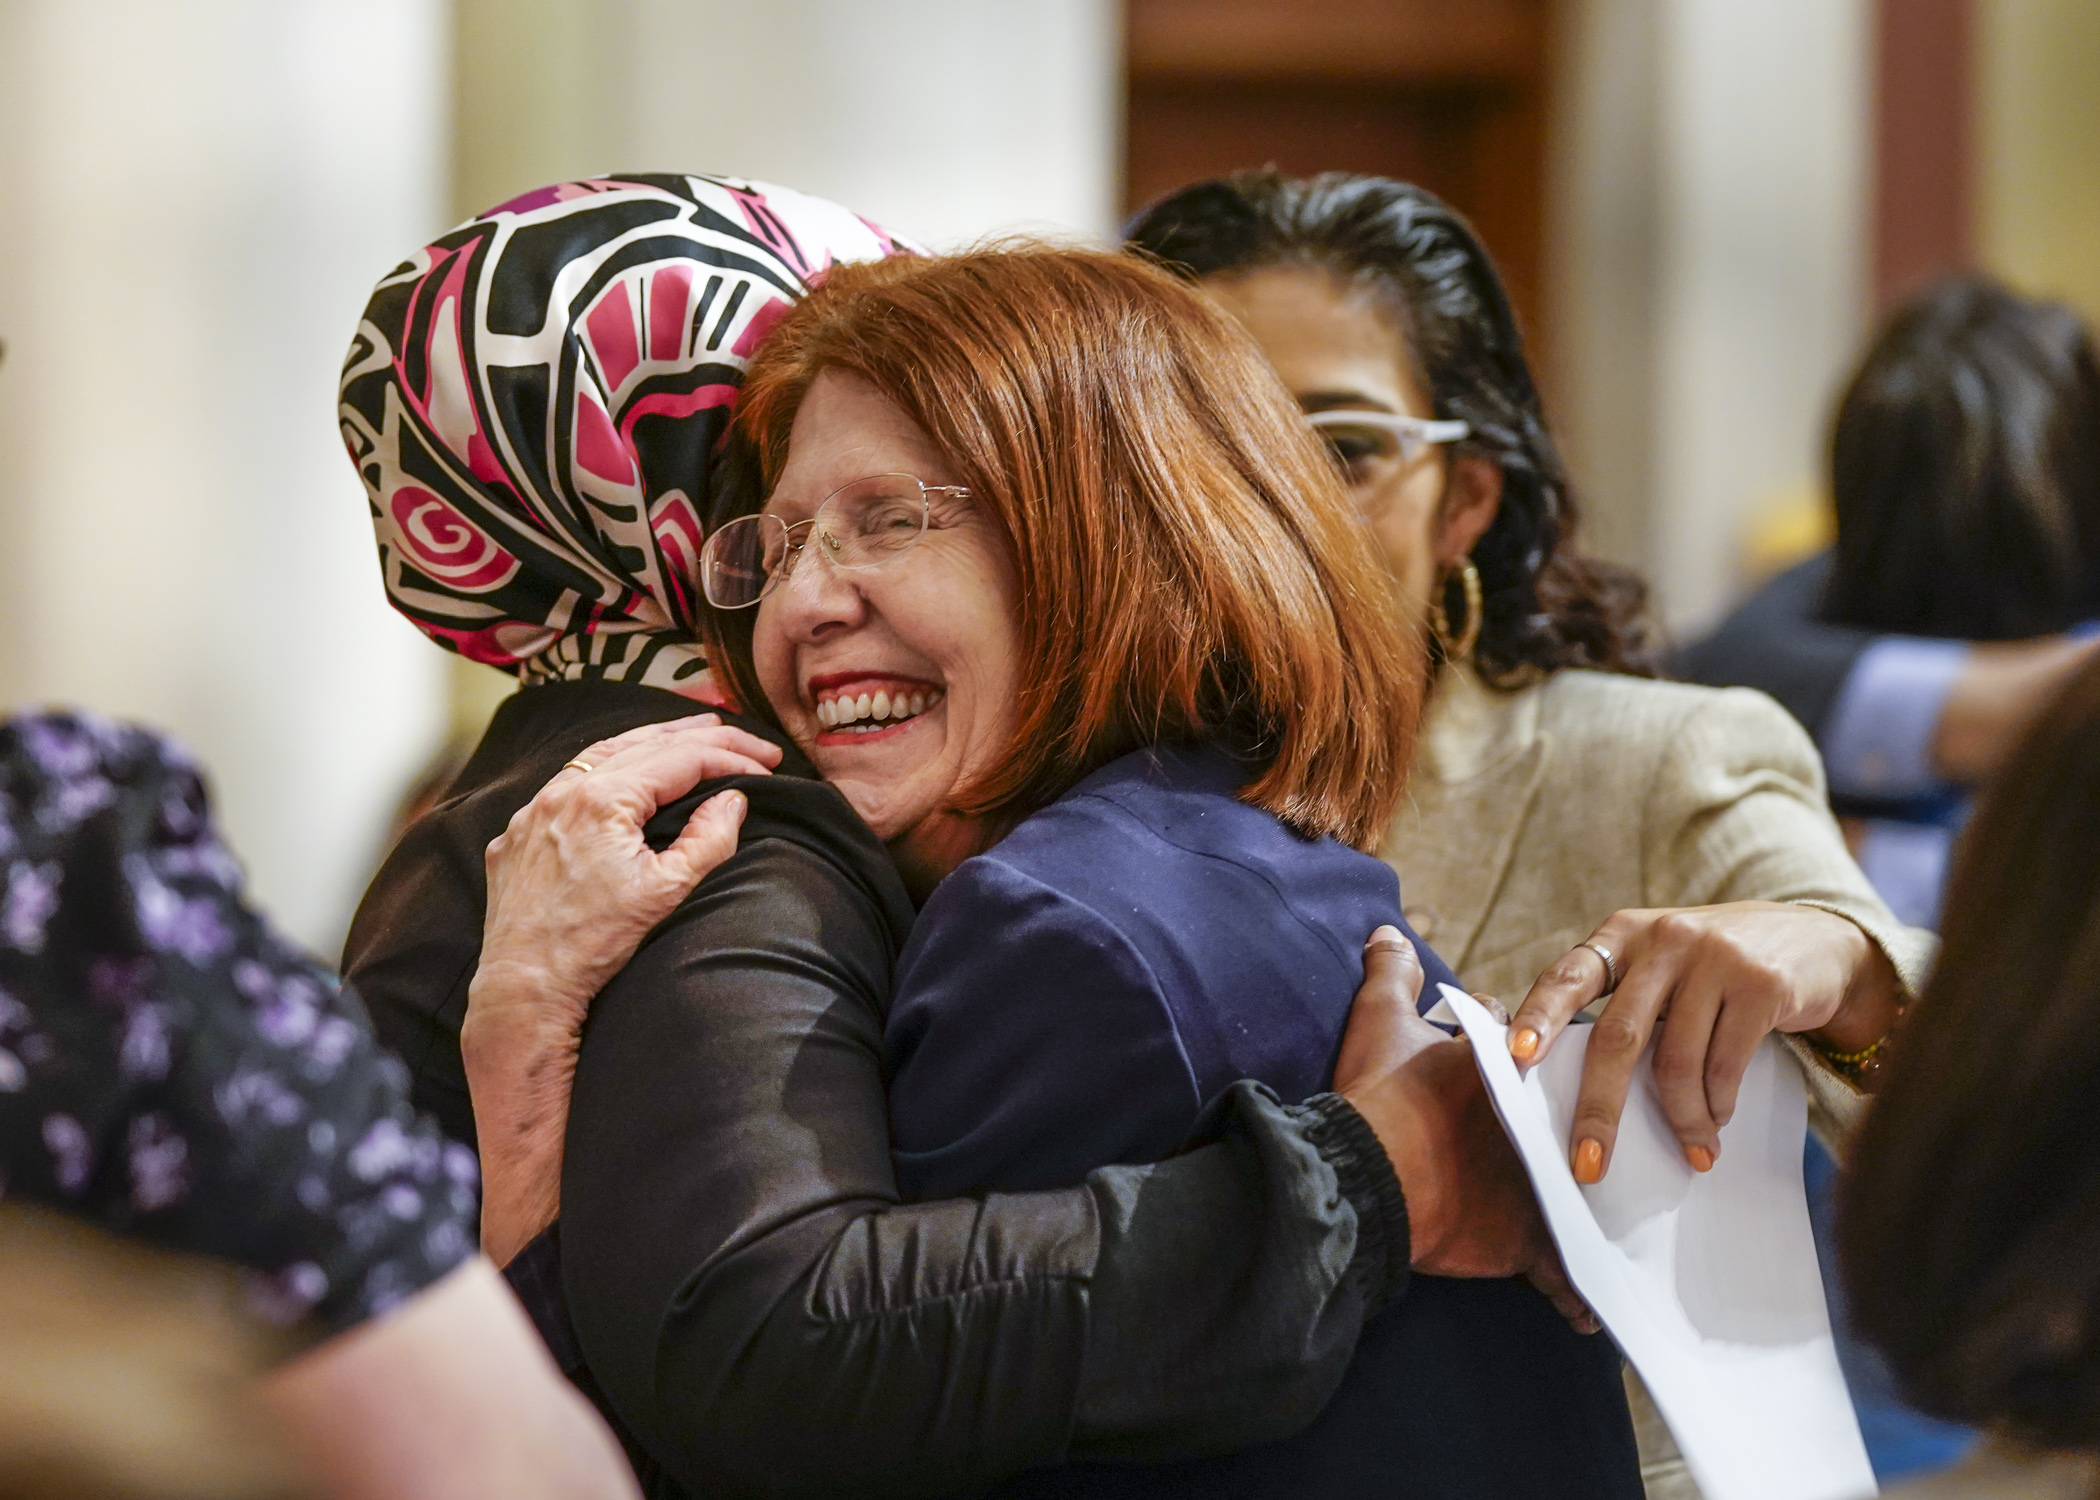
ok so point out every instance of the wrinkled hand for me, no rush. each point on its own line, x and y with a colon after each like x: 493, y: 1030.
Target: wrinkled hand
x: 1710, y: 982
x: 573, y: 889
x: 1470, y: 1206
x: 572, y: 885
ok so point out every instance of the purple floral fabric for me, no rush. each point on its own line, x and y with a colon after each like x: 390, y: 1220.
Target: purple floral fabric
x: 171, y: 1069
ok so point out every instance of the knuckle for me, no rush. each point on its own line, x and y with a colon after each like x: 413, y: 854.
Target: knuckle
x: 1677, y: 927
x: 1674, y: 1068
x: 1615, y: 1033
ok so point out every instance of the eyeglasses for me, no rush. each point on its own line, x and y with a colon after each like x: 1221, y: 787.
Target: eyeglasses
x: 1369, y: 445
x: 863, y: 525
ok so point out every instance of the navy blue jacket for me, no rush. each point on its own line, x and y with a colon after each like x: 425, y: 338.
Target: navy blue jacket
x: 1082, y: 992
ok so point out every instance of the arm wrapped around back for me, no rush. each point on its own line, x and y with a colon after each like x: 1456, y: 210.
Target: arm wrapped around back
x: 768, y: 1318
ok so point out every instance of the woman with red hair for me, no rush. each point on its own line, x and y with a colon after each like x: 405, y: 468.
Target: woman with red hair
x: 1084, y: 659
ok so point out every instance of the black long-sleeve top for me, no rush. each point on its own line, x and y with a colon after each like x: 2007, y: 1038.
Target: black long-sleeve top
x: 762, y: 1312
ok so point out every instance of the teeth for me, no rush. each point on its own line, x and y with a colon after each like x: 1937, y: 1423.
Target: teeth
x: 871, y: 709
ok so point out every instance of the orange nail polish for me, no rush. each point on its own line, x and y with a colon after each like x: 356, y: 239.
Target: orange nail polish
x: 1589, y: 1161
x: 1702, y: 1160
x: 1524, y: 1045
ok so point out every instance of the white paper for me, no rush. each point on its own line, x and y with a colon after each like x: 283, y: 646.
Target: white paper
x: 1707, y: 1281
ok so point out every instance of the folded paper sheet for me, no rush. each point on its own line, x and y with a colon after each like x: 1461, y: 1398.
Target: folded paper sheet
x: 1707, y: 1281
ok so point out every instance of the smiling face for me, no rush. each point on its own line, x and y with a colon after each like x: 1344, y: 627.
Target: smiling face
x: 898, y: 681
x: 1338, y: 350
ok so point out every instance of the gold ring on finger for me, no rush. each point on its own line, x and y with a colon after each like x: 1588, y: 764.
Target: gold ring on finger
x: 580, y: 764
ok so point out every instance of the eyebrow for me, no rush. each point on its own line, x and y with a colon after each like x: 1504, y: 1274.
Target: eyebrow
x: 1334, y: 400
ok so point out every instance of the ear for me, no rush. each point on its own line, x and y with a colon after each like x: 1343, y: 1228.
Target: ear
x: 1472, y: 498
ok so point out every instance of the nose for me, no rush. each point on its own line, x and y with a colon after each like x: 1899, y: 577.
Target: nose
x: 816, y: 599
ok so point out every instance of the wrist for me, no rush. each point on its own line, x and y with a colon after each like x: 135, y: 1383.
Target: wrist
x: 1363, y: 1169
x: 505, y: 1035
x: 1408, y: 1135
x: 1869, y: 1009
x: 516, y: 1000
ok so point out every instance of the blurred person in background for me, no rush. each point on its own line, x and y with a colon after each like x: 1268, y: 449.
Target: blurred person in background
x: 766, y: 1312
x: 1575, y: 831
x: 174, y: 1072
x: 1963, y: 586
x: 1965, y: 580
x: 1970, y: 1218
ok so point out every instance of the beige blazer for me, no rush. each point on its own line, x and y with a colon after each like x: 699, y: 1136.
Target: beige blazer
x: 1533, y: 815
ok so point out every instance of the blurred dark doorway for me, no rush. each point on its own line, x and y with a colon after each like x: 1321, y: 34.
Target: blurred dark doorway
x: 1450, y: 94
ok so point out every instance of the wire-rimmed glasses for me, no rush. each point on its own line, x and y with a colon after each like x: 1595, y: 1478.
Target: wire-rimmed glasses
x: 1369, y: 445
x: 859, y: 526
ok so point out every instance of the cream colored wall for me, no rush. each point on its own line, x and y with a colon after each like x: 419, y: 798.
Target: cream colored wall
x: 1708, y: 224
x: 944, y: 120
x: 195, y: 200
x: 2038, y: 206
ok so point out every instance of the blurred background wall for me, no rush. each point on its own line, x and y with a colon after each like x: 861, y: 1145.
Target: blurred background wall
x: 195, y: 199
x: 1700, y: 205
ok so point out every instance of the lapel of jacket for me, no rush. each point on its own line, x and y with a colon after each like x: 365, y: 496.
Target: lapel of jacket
x: 1476, y: 774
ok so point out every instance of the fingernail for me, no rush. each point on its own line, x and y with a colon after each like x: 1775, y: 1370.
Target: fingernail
x: 1524, y: 1046
x: 1702, y: 1160
x: 1589, y: 1161
x: 1386, y: 934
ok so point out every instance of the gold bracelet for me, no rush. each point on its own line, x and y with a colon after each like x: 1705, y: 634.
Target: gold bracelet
x: 1847, y: 1059
x: 1851, y: 1065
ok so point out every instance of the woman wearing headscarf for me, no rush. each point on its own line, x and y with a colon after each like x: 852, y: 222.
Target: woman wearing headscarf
x: 536, y: 403
x: 174, y: 1072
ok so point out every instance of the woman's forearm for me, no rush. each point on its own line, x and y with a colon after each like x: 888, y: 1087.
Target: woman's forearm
x: 520, y: 1063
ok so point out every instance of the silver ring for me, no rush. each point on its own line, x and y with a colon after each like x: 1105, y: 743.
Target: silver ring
x: 1611, y: 967
x: 580, y: 764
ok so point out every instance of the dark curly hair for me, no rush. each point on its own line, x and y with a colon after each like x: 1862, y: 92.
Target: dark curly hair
x: 1546, y: 604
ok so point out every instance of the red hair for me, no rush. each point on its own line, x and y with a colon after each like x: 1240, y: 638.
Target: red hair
x: 1188, y: 567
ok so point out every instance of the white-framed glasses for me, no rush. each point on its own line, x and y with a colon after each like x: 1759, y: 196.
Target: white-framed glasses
x: 1366, y: 446
x: 859, y: 526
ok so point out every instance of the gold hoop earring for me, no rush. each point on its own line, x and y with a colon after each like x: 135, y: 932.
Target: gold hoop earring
x: 1457, y: 645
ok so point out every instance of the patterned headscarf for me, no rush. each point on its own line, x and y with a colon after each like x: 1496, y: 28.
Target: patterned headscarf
x: 536, y: 401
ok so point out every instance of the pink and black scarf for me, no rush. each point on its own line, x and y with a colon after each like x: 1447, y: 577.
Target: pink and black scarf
x: 536, y: 404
